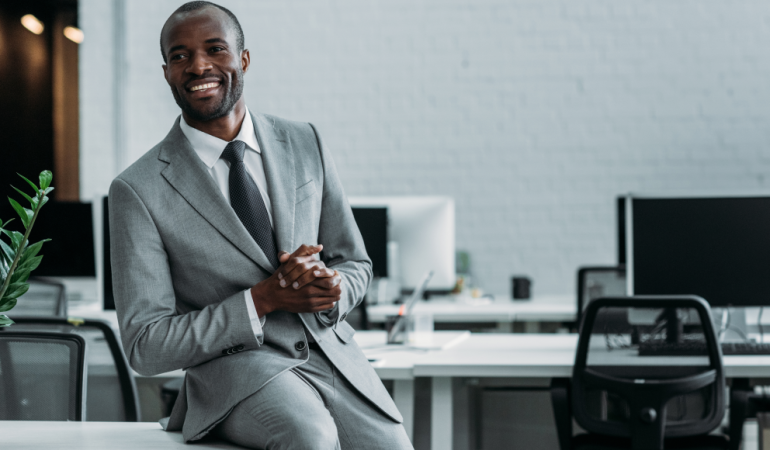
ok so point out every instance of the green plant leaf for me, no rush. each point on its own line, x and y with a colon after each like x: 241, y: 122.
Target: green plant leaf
x: 45, y: 179
x: 16, y: 239
x: 24, y: 213
x: 45, y: 200
x: 5, y: 321
x: 48, y: 190
x: 6, y: 224
x: 7, y: 305
x: 32, y: 250
x: 34, y: 186
x: 19, y: 276
x: 15, y: 290
x: 32, y: 201
x: 31, y: 264
x: 7, y: 251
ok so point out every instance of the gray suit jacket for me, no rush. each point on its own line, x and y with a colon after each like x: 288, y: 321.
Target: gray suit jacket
x: 181, y: 259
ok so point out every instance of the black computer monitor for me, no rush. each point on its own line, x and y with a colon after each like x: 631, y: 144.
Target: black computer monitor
x: 69, y: 225
x: 373, y: 224
x: 108, y: 296
x: 717, y: 248
x: 620, y: 221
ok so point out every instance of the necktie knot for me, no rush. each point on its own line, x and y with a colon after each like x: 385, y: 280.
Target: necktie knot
x: 234, y: 152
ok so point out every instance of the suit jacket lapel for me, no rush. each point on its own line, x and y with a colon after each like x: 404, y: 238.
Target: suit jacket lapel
x: 278, y: 161
x: 190, y: 177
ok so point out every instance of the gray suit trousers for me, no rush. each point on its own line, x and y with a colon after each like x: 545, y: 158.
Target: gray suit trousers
x: 311, y: 406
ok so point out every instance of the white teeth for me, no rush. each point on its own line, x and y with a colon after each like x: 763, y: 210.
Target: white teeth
x: 203, y: 86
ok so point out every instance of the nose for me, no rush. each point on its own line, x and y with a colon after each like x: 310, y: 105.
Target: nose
x: 199, y: 64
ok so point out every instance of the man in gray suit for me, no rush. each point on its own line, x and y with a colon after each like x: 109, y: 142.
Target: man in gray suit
x: 199, y: 225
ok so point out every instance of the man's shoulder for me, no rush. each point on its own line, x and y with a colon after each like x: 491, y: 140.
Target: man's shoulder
x: 144, y: 169
x: 147, y: 168
x: 289, y: 126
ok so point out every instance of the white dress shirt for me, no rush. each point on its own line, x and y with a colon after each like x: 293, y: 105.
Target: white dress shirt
x: 209, y: 149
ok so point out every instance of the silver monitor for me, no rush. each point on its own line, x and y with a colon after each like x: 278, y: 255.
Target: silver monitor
x: 423, y: 229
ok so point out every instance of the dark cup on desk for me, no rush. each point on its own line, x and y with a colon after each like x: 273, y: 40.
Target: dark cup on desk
x: 521, y: 287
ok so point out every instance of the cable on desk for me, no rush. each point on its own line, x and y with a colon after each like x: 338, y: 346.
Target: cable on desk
x: 726, y: 326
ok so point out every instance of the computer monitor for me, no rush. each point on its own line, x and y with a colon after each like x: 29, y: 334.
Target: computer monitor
x: 373, y: 224
x: 620, y: 222
x: 108, y: 298
x: 424, y: 230
x: 69, y: 225
x: 714, y: 247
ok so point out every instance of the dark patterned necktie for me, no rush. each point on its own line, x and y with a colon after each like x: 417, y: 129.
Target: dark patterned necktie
x: 247, y: 201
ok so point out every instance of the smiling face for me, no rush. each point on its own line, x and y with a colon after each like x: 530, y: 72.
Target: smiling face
x: 204, y: 66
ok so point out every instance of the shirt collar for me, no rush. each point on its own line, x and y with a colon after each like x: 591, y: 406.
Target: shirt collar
x: 209, y: 148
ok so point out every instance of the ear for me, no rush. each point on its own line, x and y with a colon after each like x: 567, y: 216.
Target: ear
x: 165, y: 72
x: 245, y: 60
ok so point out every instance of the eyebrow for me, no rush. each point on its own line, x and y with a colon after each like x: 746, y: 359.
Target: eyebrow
x: 208, y: 41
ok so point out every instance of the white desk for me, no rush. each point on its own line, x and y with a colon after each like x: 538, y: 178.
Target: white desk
x: 34, y: 435
x: 487, y: 355
x: 521, y: 356
x: 553, y: 308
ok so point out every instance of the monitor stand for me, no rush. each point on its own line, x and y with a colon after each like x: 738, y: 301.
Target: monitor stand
x: 730, y: 324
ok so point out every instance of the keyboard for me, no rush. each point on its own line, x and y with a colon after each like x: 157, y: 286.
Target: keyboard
x: 699, y: 348
x: 745, y: 348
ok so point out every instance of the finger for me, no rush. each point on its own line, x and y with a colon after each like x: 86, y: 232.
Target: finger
x: 293, y: 264
x: 322, y: 304
x: 308, y: 276
x: 307, y: 250
x: 324, y: 272
x: 309, y: 292
x: 327, y: 283
x: 322, y: 308
x: 282, y: 258
x: 301, y: 266
x: 291, y: 260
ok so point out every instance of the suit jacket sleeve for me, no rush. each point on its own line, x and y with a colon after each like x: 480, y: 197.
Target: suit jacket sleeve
x: 158, y: 338
x: 344, y: 249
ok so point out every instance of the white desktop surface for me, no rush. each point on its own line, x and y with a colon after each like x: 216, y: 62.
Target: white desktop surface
x: 542, y: 356
x: 551, y: 308
x: 35, y: 435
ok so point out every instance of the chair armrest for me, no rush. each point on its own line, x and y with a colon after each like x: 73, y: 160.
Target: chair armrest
x: 740, y: 399
x: 562, y: 412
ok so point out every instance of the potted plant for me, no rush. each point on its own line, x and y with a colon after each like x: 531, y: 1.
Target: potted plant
x: 17, y: 258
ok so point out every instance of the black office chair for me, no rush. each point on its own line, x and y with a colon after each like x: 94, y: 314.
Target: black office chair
x: 111, y: 390
x: 42, y: 376
x: 658, y: 384
x: 45, y: 298
x: 599, y: 281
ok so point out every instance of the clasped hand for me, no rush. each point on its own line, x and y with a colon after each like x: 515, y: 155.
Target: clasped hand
x: 300, y: 284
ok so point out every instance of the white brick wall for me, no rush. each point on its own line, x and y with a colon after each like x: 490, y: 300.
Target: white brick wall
x: 532, y: 114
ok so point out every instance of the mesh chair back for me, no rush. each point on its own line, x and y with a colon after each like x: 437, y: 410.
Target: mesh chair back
x: 45, y: 298
x: 599, y: 281
x: 111, y: 394
x: 42, y: 376
x: 657, y: 373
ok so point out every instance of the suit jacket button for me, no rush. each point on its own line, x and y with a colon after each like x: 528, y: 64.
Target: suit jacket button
x: 344, y: 316
x: 299, y: 346
x: 239, y: 348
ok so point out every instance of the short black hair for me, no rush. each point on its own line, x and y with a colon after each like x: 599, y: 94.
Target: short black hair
x: 196, y: 5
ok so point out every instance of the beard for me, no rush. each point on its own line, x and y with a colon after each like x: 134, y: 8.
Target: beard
x: 232, y: 94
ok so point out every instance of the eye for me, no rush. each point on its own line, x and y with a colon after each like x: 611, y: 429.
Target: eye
x: 177, y: 57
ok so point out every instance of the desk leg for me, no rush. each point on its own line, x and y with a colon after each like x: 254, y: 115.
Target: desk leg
x: 403, y: 396
x: 441, y: 414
